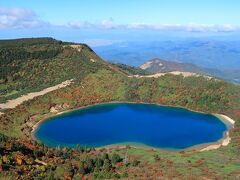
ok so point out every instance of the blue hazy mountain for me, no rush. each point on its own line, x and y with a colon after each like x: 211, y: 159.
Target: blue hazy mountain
x: 215, y: 57
x: 161, y: 66
x: 204, y: 53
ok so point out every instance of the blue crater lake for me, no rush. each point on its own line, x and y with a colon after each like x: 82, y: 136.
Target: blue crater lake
x: 124, y: 123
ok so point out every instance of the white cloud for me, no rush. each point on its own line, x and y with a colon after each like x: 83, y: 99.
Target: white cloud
x: 104, y: 24
x: 11, y: 18
x: 19, y: 18
x: 79, y: 25
x: 191, y: 27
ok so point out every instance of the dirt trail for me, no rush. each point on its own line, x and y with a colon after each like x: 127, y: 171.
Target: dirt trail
x: 15, y: 102
x: 184, y: 74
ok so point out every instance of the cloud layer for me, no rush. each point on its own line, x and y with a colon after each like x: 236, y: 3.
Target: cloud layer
x: 19, y: 18
x: 11, y: 18
x: 191, y: 27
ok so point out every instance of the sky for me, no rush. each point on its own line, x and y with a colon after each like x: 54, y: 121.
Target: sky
x: 107, y: 21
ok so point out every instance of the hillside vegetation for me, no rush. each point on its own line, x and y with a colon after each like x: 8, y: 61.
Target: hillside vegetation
x: 131, y: 70
x: 29, y: 65
x: 96, y: 81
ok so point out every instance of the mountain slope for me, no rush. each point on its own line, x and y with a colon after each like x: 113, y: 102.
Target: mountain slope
x: 96, y: 81
x: 131, y: 70
x: 159, y: 65
x: 162, y: 66
x: 33, y: 64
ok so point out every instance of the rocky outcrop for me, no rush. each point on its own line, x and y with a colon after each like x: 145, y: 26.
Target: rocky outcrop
x: 59, y: 107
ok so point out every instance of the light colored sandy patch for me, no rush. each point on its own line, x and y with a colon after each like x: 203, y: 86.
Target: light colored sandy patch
x: 15, y: 102
x: 224, y: 142
x: 92, y: 60
x: 78, y: 47
x: 226, y: 118
x: 40, y: 162
x: 226, y: 139
x: 148, y: 76
x: 188, y: 74
x: 59, y: 108
x: 146, y: 65
x: 1, y: 113
x: 184, y: 74
x: 211, y: 147
x: 53, y: 110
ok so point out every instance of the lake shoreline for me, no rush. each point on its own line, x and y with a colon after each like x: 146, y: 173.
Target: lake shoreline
x: 224, y: 141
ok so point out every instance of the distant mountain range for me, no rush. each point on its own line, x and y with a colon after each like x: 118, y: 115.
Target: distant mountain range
x: 203, y: 53
x: 159, y: 65
x: 162, y: 66
x: 218, y: 58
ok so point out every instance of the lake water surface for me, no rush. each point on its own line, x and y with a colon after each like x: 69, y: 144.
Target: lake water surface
x: 123, y: 123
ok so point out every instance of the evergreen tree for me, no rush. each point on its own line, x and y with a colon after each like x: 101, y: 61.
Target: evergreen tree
x: 69, y: 168
x: 115, y: 158
x: 105, y: 156
x: 107, y: 165
x: 50, y: 175
x: 99, y: 163
x: 81, y: 168
x: 90, y: 165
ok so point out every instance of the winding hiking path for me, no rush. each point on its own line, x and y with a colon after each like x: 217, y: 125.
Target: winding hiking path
x: 184, y: 74
x: 15, y: 102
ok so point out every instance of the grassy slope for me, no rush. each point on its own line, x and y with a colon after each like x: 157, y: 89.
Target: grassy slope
x: 130, y: 70
x: 32, y: 72
x: 104, y: 83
